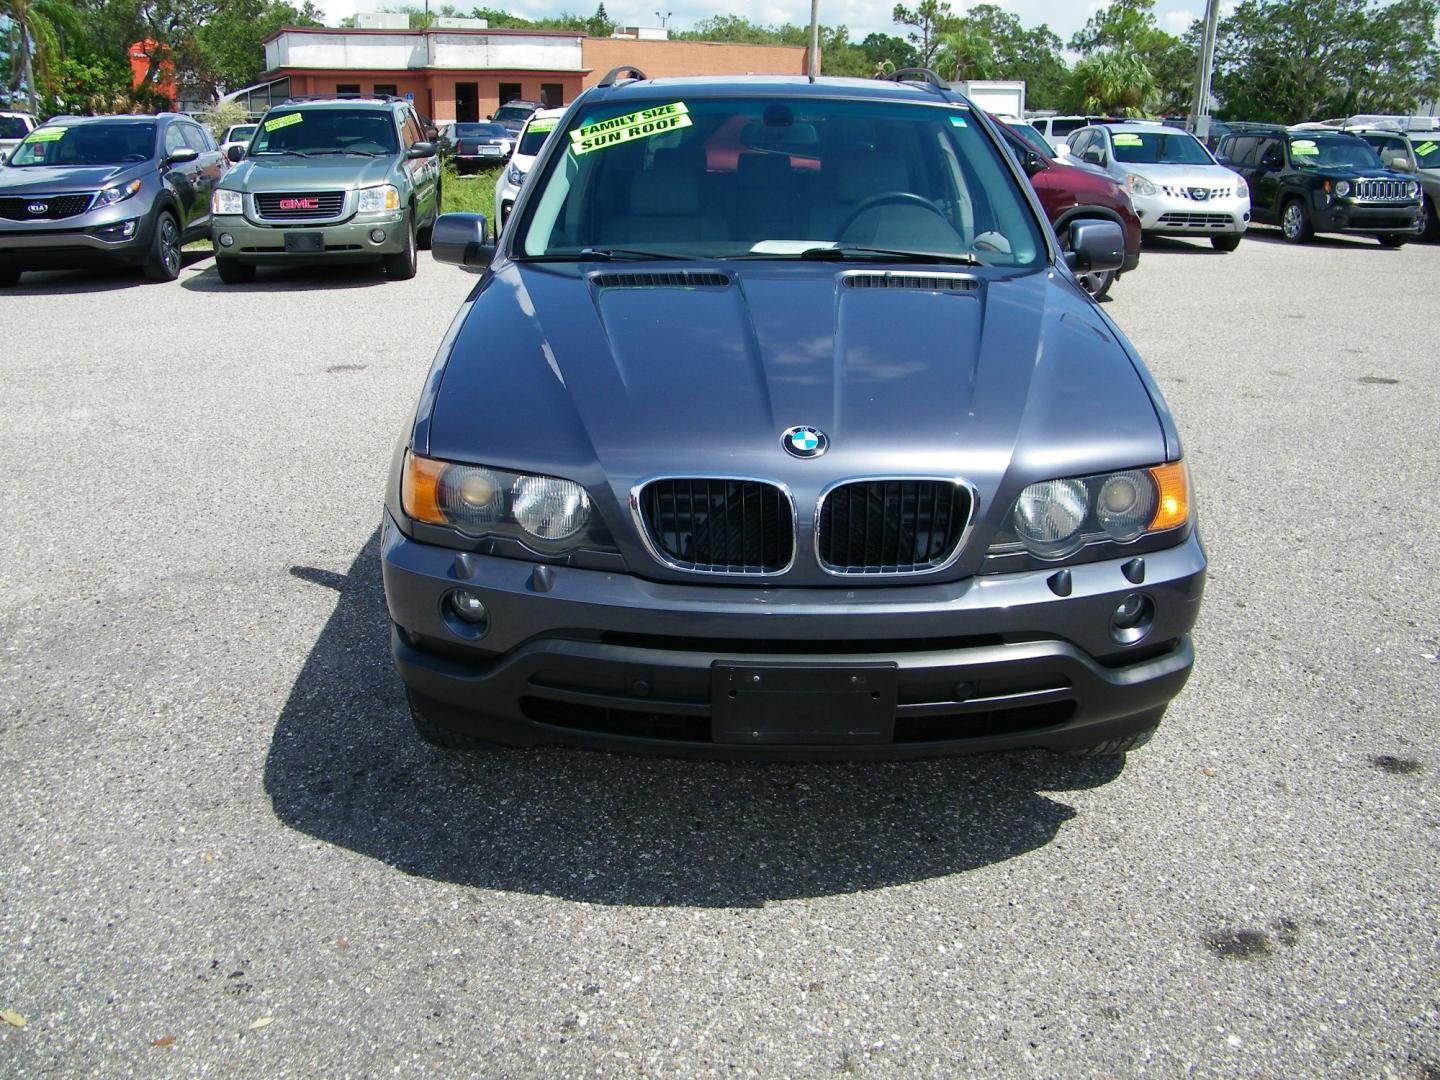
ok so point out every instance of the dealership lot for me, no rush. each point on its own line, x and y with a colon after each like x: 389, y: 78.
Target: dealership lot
x: 225, y: 851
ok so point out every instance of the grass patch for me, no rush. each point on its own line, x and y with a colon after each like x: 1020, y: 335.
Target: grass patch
x: 473, y: 194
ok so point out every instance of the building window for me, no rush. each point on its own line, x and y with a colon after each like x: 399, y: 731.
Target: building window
x: 347, y: 88
x: 509, y: 91
x: 381, y: 89
x: 467, y: 102
x: 552, y: 94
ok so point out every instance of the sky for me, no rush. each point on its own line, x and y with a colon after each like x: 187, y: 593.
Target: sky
x: 861, y: 16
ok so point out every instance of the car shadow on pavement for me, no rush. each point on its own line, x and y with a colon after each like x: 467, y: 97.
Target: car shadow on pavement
x: 292, y: 278
x: 1197, y: 245
x: 346, y: 767
x: 1265, y: 235
x: 101, y: 279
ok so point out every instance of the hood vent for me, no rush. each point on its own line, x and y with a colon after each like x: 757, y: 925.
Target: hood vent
x: 890, y: 279
x: 680, y: 279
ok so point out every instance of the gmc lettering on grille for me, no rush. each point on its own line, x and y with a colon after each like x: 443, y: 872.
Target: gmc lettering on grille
x: 299, y: 204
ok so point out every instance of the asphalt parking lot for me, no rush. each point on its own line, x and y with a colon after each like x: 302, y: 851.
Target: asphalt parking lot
x: 225, y: 853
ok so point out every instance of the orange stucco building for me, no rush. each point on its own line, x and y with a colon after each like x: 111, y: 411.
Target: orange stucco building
x: 465, y: 75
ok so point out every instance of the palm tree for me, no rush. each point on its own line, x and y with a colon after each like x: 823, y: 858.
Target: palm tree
x: 36, y: 32
x: 966, y: 54
x: 1113, y: 82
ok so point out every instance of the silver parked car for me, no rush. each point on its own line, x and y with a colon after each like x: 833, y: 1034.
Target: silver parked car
x: 1177, y: 186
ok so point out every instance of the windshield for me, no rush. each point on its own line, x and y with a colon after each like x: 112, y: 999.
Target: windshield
x: 779, y: 178
x: 12, y: 127
x: 482, y: 131
x: 326, y: 131
x: 242, y: 133
x: 536, y: 134
x: 513, y: 112
x: 87, y: 144
x: 1159, y: 148
x: 1355, y: 153
x: 1427, y: 153
x: 1033, y: 138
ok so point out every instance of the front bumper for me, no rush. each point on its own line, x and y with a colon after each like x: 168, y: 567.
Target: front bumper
x: 606, y: 660
x: 259, y: 245
x: 1342, y: 216
x: 1170, y: 215
x: 78, y: 246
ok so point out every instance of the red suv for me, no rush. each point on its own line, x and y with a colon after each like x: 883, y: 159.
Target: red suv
x: 1070, y: 194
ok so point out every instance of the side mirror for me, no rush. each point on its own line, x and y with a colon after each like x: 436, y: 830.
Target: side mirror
x: 421, y: 150
x: 1095, y: 246
x: 236, y: 153
x: 1033, y: 163
x: 463, y: 239
x: 182, y: 154
x: 1397, y: 161
x: 1094, y: 155
x: 1273, y: 160
x: 1222, y: 159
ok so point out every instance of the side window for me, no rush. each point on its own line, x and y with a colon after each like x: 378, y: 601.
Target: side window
x: 1269, y: 148
x: 197, y: 137
x: 1080, y: 141
x: 347, y: 88
x: 1240, y: 149
x: 411, y: 133
x: 174, y: 138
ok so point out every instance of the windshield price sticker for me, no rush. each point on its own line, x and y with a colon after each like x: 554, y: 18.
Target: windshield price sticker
x: 1304, y: 148
x: 1128, y: 140
x: 283, y: 121
x: 46, y: 135
x: 544, y: 125
x: 1425, y: 149
x: 622, y: 129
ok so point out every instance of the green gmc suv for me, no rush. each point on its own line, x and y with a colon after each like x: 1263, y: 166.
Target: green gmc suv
x: 328, y: 180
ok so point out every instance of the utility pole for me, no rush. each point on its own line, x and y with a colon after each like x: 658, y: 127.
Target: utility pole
x: 663, y: 18
x: 1200, y: 107
x: 814, y: 57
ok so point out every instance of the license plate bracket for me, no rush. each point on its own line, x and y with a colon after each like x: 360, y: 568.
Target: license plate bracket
x: 304, y: 241
x: 797, y: 704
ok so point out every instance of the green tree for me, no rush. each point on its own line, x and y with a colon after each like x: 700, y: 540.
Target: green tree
x: 231, y: 43
x: 36, y: 30
x: 1113, y: 82
x: 887, y: 49
x: 85, y: 86
x: 928, y: 23
x: 1016, y: 52
x: 600, y: 24
x: 1287, y: 61
x: 1129, y: 26
x: 965, y: 53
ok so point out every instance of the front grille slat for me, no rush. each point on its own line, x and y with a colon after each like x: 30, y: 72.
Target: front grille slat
x: 719, y: 526
x: 891, y: 526
x: 1382, y: 190
x: 17, y: 208
x: 270, y: 205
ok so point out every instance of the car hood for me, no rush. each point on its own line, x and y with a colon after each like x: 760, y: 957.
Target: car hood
x: 1179, y: 175
x: 38, y: 178
x: 308, y: 174
x: 1017, y: 378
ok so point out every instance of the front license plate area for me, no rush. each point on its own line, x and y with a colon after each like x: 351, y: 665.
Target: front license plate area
x: 304, y: 241
x: 803, y: 704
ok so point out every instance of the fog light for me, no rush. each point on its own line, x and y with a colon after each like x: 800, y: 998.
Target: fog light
x: 467, y: 612
x: 226, y: 240
x: 1132, y: 619
x: 127, y: 230
x: 377, y: 236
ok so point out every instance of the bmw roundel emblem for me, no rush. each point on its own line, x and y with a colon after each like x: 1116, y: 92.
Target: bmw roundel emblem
x: 804, y: 442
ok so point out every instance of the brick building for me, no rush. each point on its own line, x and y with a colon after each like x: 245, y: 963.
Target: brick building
x: 465, y: 75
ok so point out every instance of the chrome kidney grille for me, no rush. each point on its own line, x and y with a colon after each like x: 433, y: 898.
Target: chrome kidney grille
x: 891, y: 526
x: 718, y: 526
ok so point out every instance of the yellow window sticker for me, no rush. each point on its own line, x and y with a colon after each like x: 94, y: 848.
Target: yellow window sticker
x: 544, y: 125
x: 1425, y: 149
x: 1304, y: 148
x: 283, y: 121
x: 46, y: 134
x: 1128, y: 140
x: 637, y: 125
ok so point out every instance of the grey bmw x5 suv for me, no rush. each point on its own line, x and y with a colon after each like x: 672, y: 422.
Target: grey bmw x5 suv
x: 83, y: 192
x: 778, y: 425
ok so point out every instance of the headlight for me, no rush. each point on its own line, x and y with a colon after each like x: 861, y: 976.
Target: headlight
x: 1056, y: 518
x: 1413, y: 189
x: 1138, y: 185
x: 384, y: 197
x: 225, y: 201
x: 111, y: 195
x: 544, y: 512
x: 515, y: 174
x: 1342, y: 189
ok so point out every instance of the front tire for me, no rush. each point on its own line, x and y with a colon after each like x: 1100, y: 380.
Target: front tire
x: 1227, y: 242
x: 233, y: 271
x: 1394, y: 240
x: 1432, y: 220
x: 1295, y: 222
x: 402, y: 265
x: 9, y: 278
x: 1098, y: 285
x: 162, y: 262
x: 423, y: 237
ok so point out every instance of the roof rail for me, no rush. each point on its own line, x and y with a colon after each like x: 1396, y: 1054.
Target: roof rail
x: 613, y: 75
x: 921, y: 75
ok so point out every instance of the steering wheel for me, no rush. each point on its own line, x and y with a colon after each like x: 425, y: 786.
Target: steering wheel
x: 887, y: 198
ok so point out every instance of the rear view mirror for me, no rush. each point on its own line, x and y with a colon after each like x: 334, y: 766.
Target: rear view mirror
x: 235, y: 153
x: 1397, y: 160
x: 1094, y: 155
x: 1095, y: 246
x: 421, y: 150
x: 1033, y: 163
x: 462, y: 239
x: 182, y: 154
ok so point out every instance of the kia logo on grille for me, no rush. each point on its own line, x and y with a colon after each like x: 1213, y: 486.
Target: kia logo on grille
x: 38, y: 207
x: 299, y: 204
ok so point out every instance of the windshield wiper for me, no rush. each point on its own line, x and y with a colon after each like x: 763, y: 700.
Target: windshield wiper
x: 846, y: 252
x: 296, y: 153
x: 607, y: 254
x: 357, y: 153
